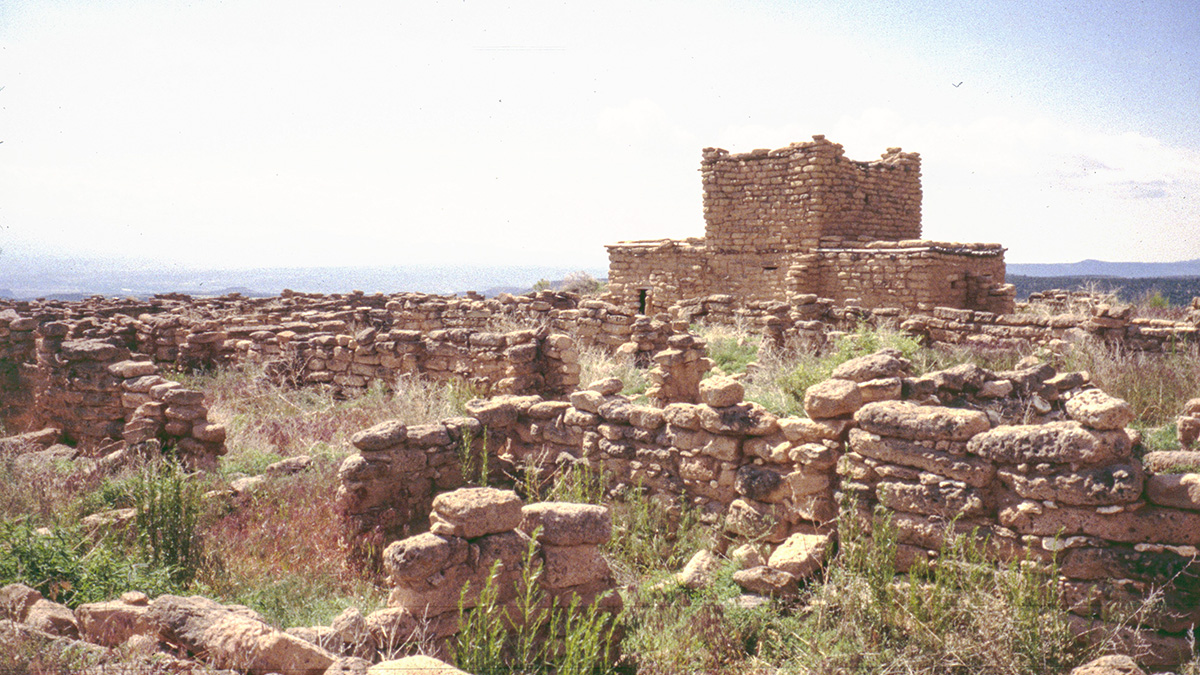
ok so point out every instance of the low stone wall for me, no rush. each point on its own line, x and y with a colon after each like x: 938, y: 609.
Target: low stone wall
x: 806, y: 320
x: 97, y: 394
x: 721, y: 455
x: 1065, y: 488
x: 485, y: 535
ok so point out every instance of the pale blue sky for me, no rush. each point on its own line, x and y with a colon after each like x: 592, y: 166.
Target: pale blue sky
x: 291, y: 133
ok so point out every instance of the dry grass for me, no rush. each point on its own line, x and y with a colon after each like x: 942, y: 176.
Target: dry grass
x: 1156, y: 385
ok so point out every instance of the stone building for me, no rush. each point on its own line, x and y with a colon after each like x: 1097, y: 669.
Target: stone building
x: 806, y: 220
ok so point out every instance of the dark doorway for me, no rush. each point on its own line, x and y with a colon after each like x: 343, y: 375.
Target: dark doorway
x: 643, y: 293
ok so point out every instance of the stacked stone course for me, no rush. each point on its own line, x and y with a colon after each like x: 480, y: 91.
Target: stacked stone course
x: 1064, y: 488
x: 804, y: 219
x: 484, y: 536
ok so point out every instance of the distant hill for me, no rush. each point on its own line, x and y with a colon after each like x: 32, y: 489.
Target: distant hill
x: 1101, y: 268
x: 1178, y: 290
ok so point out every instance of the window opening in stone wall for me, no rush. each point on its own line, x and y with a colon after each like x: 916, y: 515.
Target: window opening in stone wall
x: 770, y: 269
x: 642, y: 294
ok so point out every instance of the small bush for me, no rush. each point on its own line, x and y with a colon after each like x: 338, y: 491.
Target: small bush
x: 534, y: 634
x: 168, y: 512
x: 67, y: 567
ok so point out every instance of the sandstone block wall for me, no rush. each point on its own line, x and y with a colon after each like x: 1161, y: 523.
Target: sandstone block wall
x: 485, y: 532
x: 720, y: 455
x: 911, y: 275
x: 97, y: 393
x: 804, y: 219
x: 808, y: 195
x: 1064, y: 488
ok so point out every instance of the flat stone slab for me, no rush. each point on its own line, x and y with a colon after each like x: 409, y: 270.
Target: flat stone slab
x: 970, y: 470
x: 474, y: 512
x: 567, y: 524
x: 1055, y: 442
x: 1148, y: 525
x: 1099, y: 486
x: 907, y: 420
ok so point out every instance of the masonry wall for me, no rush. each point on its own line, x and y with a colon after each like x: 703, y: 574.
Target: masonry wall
x: 1065, y: 488
x: 917, y: 276
x: 649, y: 276
x: 95, y: 393
x: 774, y: 476
x: 807, y: 195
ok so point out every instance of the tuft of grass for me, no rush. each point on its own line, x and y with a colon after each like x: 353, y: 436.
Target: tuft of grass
x: 63, y: 564
x: 652, y: 534
x: 1157, y: 385
x: 596, y: 363
x: 535, y: 634
x: 731, y: 349
x: 268, y: 421
x: 167, y: 520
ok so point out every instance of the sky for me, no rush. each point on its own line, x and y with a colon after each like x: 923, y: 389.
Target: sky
x: 404, y: 132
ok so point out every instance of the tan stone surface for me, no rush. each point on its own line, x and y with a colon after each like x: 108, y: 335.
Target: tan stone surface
x: 1098, y: 410
x: 906, y: 420
x: 1180, y: 490
x: 1057, y: 442
x: 801, y: 555
x: 474, y: 512
x: 832, y: 398
x: 567, y: 524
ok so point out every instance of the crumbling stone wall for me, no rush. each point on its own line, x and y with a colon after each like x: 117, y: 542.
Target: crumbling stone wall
x: 480, y: 531
x: 804, y: 219
x: 96, y: 394
x: 720, y: 454
x: 1065, y: 487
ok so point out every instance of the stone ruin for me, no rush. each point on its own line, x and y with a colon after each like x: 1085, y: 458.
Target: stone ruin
x: 1036, y: 465
x: 806, y: 220
x: 1032, y: 464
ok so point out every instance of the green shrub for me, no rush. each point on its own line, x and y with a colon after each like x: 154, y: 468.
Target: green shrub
x: 67, y: 567
x: 524, y: 637
x: 168, y: 511
x: 732, y: 353
x: 653, y: 534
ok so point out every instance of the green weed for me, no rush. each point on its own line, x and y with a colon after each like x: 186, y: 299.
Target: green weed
x: 67, y: 567
x: 534, y: 635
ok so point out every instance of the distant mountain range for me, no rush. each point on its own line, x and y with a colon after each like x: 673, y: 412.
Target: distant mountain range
x: 1101, y: 268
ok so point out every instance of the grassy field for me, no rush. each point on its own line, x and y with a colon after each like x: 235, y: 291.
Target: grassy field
x: 278, y: 553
